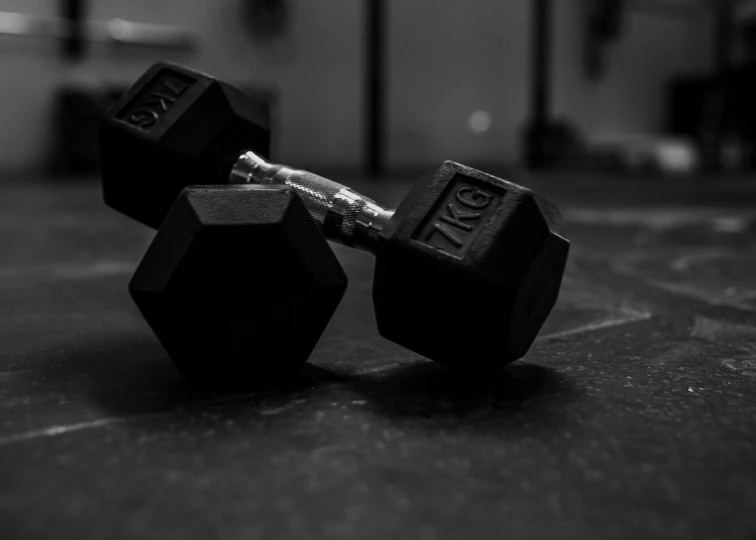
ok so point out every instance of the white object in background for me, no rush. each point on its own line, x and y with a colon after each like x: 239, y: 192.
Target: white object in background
x: 479, y: 122
x: 676, y: 156
x: 671, y: 155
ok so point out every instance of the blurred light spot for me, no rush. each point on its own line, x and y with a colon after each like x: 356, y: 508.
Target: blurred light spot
x: 479, y: 122
x: 730, y: 224
x: 119, y: 29
x: 676, y: 156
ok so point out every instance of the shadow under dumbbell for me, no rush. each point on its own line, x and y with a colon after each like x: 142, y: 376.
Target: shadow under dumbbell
x: 116, y: 375
x: 154, y: 385
x: 129, y: 382
x: 520, y: 391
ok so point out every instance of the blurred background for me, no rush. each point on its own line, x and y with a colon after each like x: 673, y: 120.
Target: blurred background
x: 385, y: 85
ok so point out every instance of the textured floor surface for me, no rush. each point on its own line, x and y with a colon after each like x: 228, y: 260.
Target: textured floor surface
x: 634, y: 415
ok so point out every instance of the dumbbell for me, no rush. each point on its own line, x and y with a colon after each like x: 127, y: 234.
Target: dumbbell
x: 468, y: 267
x: 239, y: 283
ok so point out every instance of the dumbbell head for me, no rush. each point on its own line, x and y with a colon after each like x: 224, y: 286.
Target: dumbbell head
x: 468, y: 268
x: 238, y: 283
x: 173, y: 128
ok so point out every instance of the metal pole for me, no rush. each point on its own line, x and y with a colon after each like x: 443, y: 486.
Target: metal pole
x: 540, y: 85
x: 73, y: 46
x: 722, y: 45
x: 541, y: 66
x: 375, y: 92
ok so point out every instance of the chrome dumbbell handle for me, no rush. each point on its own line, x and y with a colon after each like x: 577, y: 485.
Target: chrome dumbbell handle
x: 345, y: 216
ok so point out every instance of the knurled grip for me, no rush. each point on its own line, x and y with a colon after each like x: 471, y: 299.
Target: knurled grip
x: 322, y: 197
x: 344, y: 215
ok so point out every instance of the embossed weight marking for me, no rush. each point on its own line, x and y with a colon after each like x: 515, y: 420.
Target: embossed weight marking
x: 458, y: 216
x: 157, y: 98
x: 468, y: 266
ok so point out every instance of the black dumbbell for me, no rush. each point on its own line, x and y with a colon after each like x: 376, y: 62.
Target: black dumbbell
x: 468, y: 266
x: 239, y: 282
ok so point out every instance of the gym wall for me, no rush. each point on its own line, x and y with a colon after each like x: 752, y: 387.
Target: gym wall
x: 656, y: 43
x: 447, y: 59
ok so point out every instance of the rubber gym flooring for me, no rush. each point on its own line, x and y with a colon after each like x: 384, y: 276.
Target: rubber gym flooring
x: 634, y: 414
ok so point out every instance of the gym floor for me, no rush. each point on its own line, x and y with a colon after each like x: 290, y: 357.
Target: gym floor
x: 633, y: 414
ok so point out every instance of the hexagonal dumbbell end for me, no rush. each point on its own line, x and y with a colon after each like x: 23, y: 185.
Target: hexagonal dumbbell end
x: 173, y: 128
x: 239, y: 282
x: 469, y: 268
